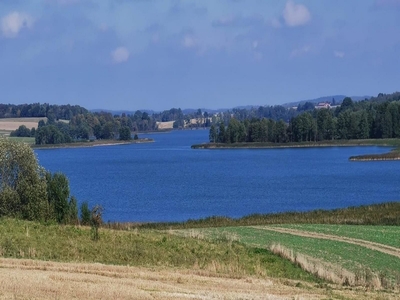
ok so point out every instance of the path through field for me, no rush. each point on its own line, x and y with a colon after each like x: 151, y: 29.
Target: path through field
x: 370, y: 245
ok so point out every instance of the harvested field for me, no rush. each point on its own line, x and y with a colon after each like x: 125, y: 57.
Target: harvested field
x: 10, y: 124
x: 31, y: 279
x: 165, y: 125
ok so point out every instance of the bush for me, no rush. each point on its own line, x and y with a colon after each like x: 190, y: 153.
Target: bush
x: 23, y: 184
x: 85, y: 214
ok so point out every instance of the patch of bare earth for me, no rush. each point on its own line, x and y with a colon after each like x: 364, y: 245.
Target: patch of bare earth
x: 31, y: 279
x: 367, y: 244
x: 165, y: 125
x: 10, y: 124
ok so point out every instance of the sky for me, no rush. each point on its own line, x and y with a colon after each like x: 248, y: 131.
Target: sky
x: 160, y: 54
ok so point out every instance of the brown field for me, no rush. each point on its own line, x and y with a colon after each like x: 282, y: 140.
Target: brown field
x: 10, y: 124
x: 32, y: 279
x: 165, y: 125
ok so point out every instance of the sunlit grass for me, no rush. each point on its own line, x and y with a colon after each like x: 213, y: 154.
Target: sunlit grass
x: 147, y: 248
x: 351, y: 257
x: 387, y: 235
x: 27, y: 140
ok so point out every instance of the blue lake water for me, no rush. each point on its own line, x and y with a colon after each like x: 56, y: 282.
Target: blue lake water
x: 168, y: 181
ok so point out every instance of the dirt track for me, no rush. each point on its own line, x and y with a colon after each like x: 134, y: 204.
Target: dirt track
x: 30, y: 279
x: 367, y: 244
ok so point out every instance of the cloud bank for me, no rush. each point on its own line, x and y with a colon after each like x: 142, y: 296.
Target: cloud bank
x: 296, y: 14
x: 120, y: 55
x: 14, y: 22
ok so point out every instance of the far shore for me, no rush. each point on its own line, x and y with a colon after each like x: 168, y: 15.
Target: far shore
x: 394, y: 154
x: 97, y: 143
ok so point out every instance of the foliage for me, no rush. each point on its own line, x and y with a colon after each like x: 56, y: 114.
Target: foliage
x: 23, y: 185
x: 58, y: 197
x: 96, y: 221
x: 89, y: 126
x: 51, y: 134
x: 125, y: 133
x: 73, y: 211
x: 85, y: 213
x: 352, y: 120
x: 65, y: 112
x: 23, y: 131
x: 28, y: 192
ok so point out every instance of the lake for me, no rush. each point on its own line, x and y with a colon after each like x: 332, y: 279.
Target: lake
x: 168, y: 181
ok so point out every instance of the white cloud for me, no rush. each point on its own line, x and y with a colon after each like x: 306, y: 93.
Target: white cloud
x: 296, y: 14
x: 120, y: 55
x: 300, y: 51
x: 338, y: 54
x: 189, y: 41
x: 14, y: 22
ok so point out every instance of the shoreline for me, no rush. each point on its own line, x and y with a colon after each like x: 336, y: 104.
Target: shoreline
x: 101, y: 143
x: 381, y: 213
x: 394, y: 154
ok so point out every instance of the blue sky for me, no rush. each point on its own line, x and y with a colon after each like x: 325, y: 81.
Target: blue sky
x: 159, y: 54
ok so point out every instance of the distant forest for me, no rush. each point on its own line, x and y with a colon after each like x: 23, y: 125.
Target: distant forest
x: 378, y: 117
x: 374, y: 118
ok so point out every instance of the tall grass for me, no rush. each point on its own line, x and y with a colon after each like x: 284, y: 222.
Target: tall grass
x: 377, y: 214
x: 147, y: 248
x: 336, y: 261
x: 333, y: 272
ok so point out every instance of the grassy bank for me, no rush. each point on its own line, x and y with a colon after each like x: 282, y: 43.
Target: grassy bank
x: 338, y: 261
x: 377, y: 214
x: 145, y: 248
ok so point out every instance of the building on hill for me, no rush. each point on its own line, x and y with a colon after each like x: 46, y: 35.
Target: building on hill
x: 323, y: 105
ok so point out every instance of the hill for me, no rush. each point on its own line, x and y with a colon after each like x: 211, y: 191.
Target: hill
x: 338, y: 99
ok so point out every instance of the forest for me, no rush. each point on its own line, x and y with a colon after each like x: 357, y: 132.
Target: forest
x: 375, y: 118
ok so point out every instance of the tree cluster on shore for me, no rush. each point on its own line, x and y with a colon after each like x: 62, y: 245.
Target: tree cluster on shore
x: 86, y: 127
x: 28, y: 191
x: 352, y: 120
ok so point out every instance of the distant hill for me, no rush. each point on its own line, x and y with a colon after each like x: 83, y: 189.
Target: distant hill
x: 187, y: 111
x: 338, y: 99
x: 213, y: 111
x: 120, y: 112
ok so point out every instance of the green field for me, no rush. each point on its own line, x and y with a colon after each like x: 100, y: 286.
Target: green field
x: 356, y: 259
x: 146, y: 248
x: 28, y: 140
x: 387, y: 235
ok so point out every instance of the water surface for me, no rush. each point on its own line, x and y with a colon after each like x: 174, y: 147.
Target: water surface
x: 168, y: 181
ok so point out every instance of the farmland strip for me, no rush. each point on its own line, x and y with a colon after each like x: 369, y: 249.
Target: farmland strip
x: 367, y: 244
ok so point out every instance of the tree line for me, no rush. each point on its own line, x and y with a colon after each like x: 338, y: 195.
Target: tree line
x: 352, y: 120
x: 28, y: 191
x: 99, y: 125
x: 37, y: 110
